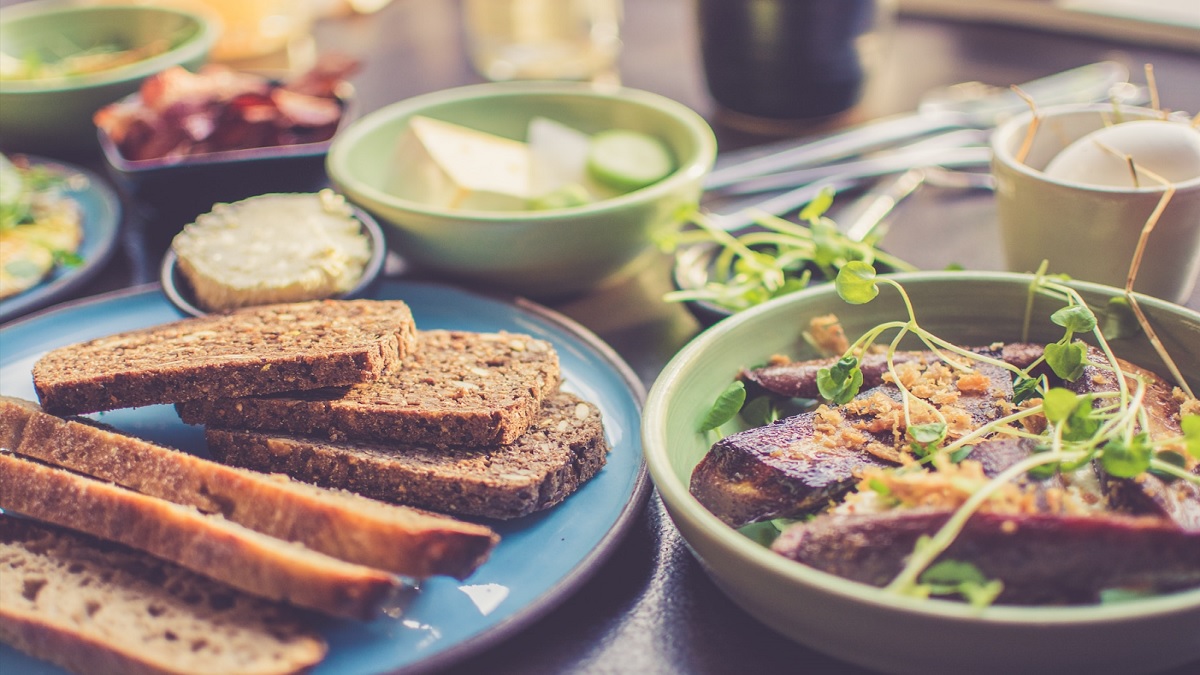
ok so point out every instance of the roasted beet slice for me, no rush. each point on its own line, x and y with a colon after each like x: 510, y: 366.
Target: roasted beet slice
x: 799, y: 378
x: 1176, y: 500
x: 775, y: 471
x: 1042, y: 559
x: 796, y: 466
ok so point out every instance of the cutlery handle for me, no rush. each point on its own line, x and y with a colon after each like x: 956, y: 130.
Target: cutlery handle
x: 740, y: 165
x: 930, y: 150
x: 851, y: 174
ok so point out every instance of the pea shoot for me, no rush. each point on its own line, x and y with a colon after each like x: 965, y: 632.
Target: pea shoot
x: 1107, y: 427
x: 776, y: 258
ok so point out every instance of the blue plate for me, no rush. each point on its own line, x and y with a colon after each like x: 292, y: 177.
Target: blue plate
x: 541, y: 559
x: 101, y: 222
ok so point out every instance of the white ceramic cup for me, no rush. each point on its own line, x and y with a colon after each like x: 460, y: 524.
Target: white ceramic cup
x: 1085, y: 231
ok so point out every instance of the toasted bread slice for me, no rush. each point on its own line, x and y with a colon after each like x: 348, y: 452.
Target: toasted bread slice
x: 458, y: 388
x: 341, y: 524
x: 562, y: 450
x: 257, y: 350
x: 209, y: 545
x: 99, y: 608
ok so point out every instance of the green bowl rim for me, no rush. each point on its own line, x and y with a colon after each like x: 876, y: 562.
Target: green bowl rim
x: 197, y: 46
x: 681, y: 504
x: 692, y: 169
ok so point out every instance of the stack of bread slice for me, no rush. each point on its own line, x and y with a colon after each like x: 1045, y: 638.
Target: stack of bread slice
x: 471, y: 424
x: 342, y: 394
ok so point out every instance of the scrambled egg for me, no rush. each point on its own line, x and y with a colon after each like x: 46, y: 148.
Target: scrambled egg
x: 39, y: 227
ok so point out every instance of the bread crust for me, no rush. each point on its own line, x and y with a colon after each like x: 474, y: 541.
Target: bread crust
x: 343, y: 525
x: 457, y: 389
x: 95, y: 607
x: 208, y: 545
x: 257, y: 350
x: 564, y: 449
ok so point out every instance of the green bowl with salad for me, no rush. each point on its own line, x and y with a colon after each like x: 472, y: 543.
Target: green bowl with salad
x: 890, y: 629
x: 539, y: 188
x: 60, y: 61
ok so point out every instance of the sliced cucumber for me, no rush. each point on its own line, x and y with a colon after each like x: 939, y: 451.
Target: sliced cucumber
x: 627, y: 160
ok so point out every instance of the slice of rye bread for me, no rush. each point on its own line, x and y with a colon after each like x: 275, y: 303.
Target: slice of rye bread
x: 258, y: 350
x: 209, y: 545
x: 344, y: 525
x: 95, y: 607
x: 458, y: 388
x: 561, y: 451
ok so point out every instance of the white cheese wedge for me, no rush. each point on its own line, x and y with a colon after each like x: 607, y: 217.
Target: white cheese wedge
x: 452, y: 166
x: 558, y: 156
x: 273, y: 248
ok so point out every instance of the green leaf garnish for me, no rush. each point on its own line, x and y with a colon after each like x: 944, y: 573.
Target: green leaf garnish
x: 925, y: 438
x: 840, y: 383
x: 1076, y: 318
x: 67, y: 259
x: 725, y: 407
x: 1169, y: 457
x: 1126, y: 460
x: 962, y: 453
x: 1058, y: 404
x: 954, y: 577
x: 1066, y: 360
x: 1026, y: 388
x: 855, y: 283
x: 760, y: 411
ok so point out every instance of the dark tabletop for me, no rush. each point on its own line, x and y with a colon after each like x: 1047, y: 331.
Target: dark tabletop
x: 650, y: 608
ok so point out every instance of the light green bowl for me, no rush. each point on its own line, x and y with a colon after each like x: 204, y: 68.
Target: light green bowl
x: 537, y: 253
x: 54, y: 116
x: 863, y: 624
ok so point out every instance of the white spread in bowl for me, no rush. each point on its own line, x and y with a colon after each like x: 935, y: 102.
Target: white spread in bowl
x: 273, y: 248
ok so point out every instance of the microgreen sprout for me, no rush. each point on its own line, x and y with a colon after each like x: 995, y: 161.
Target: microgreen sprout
x: 725, y: 407
x: 775, y: 258
x: 1106, y: 427
x: 955, y: 577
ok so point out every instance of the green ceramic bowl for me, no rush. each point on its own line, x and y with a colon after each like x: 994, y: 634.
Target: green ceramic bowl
x: 863, y: 624
x: 55, y: 115
x: 537, y: 253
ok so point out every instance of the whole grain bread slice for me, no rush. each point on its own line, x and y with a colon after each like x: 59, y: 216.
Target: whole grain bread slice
x: 209, y: 545
x: 561, y: 451
x: 344, y: 525
x: 258, y: 350
x: 99, y: 608
x: 458, y: 388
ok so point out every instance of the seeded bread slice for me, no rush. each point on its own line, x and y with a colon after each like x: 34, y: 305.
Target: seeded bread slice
x: 257, y: 350
x: 98, y: 608
x: 561, y: 451
x: 458, y: 388
x: 209, y: 545
x: 341, y: 524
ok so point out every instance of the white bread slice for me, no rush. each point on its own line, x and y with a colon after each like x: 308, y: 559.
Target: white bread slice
x: 96, y: 607
x: 344, y: 525
x: 209, y: 545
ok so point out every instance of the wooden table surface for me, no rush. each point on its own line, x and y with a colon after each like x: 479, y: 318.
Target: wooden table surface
x: 651, y: 608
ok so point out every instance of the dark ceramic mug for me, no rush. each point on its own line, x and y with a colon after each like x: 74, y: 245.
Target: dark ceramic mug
x: 786, y: 59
